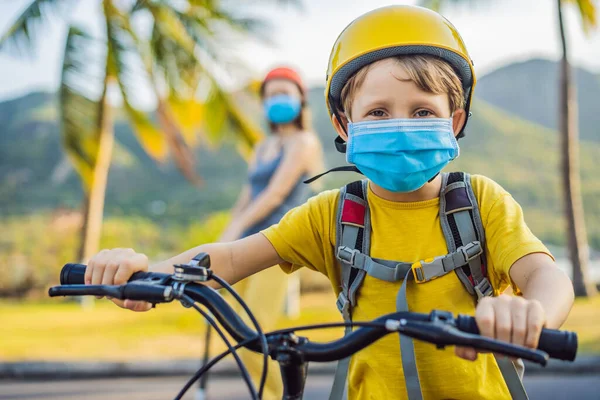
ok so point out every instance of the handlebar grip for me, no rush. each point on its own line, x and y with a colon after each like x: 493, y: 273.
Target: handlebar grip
x: 73, y: 274
x: 561, y: 345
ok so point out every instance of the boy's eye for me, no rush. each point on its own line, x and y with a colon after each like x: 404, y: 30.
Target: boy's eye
x: 423, y: 113
x: 377, y: 113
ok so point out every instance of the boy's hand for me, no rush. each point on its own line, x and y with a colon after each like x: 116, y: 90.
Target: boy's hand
x: 508, y: 318
x: 115, y: 267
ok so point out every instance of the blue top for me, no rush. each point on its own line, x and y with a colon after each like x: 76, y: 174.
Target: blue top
x: 259, y: 179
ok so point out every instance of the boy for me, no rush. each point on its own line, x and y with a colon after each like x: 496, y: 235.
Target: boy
x: 399, y: 87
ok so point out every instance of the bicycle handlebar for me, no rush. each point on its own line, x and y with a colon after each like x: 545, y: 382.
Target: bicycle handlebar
x: 463, y: 330
x: 73, y: 274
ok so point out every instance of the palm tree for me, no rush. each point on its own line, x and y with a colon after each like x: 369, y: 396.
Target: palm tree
x: 569, y: 144
x: 178, y: 55
x: 569, y: 147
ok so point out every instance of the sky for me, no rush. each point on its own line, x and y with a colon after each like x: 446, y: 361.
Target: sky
x: 496, y: 33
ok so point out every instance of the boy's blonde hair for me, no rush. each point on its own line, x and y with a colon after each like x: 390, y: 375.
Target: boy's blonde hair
x: 429, y: 73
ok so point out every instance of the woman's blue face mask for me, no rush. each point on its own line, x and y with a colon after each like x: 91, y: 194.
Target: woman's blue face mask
x: 401, y: 155
x: 282, y: 108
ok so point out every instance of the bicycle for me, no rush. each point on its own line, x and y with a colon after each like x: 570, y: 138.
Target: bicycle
x: 293, y: 352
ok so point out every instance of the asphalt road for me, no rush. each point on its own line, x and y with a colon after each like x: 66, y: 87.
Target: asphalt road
x: 580, y: 387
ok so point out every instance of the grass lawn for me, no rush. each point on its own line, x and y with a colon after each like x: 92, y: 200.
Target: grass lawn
x: 585, y: 320
x: 65, y: 331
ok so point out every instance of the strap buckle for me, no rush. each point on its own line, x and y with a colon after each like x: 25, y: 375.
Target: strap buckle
x: 435, y: 269
x: 346, y: 254
x: 417, y: 270
x: 471, y: 251
x: 343, y: 305
x: 483, y: 289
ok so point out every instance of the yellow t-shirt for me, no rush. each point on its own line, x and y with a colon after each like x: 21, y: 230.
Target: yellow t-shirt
x: 410, y: 232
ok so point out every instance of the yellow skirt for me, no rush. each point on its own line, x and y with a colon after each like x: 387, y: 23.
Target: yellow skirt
x: 264, y: 293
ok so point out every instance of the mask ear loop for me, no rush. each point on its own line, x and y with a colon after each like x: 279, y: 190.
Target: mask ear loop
x: 456, y: 138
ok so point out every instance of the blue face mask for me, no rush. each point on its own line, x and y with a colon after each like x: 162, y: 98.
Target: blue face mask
x: 401, y: 155
x: 282, y: 109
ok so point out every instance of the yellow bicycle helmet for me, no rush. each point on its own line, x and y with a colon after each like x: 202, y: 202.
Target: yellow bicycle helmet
x: 393, y: 31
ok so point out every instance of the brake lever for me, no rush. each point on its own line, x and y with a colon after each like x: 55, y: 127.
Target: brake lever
x: 443, y: 334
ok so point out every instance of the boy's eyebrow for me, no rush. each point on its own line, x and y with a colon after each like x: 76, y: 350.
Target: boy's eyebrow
x: 373, y: 102
x: 422, y: 102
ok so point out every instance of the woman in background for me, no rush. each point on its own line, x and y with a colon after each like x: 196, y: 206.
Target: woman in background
x: 280, y: 163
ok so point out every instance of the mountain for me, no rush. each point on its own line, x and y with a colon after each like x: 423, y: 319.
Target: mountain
x: 529, y: 90
x: 521, y: 155
x: 34, y: 172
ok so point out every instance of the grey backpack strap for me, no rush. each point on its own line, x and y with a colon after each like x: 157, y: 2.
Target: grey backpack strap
x: 407, y: 348
x: 463, y: 230
x: 424, y: 271
x: 353, y: 232
x: 513, y: 377
x: 386, y: 270
x: 461, y: 224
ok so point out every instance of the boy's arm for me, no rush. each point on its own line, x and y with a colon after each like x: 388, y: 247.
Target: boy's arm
x: 540, y: 280
x: 520, y: 259
x: 232, y: 261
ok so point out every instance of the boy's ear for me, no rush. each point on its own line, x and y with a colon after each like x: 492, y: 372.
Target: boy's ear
x: 337, y: 125
x: 459, y: 118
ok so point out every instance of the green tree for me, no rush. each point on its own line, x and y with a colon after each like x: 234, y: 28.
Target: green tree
x: 180, y: 54
x: 569, y: 145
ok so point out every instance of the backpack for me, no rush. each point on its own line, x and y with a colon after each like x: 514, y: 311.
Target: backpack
x: 465, y: 239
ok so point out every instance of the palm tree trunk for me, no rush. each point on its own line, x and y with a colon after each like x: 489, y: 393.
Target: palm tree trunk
x: 94, y: 198
x: 569, y: 140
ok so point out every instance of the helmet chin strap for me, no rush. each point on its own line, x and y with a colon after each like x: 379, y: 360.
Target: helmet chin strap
x: 340, y: 145
x: 344, y: 168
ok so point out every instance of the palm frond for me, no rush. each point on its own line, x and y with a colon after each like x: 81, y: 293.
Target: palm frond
x: 79, y: 113
x: 21, y: 36
x: 205, y: 24
x: 171, y: 55
x: 166, y: 20
x: 150, y: 137
x: 139, y: 5
x: 183, y: 156
x: 127, y: 67
x: 226, y: 115
x: 214, y: 126
x: 205, y: 35
x: 188, y: 114
x: 175, y: 65
x: 588, y: 10
x: 216, y: 22
x: 237, y: 21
